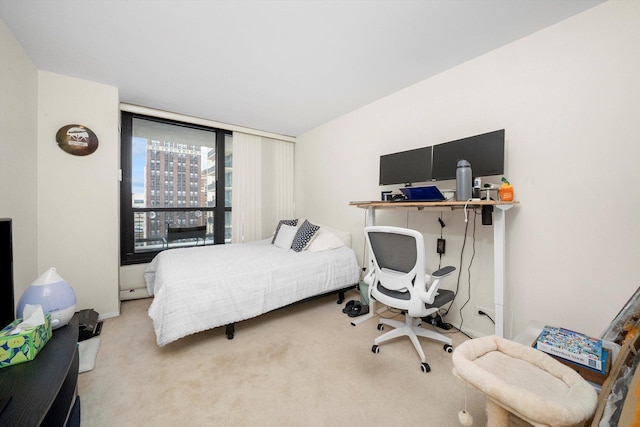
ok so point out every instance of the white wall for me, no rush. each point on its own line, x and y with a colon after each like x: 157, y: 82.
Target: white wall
x: 64, y: 208
x: 78, y: 214
x: 18, y: 147
x: 568, y: 99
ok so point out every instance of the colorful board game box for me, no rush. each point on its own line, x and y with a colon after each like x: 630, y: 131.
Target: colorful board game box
x: 573, y: 346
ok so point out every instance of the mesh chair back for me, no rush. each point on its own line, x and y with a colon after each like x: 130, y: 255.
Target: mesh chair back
x: 394, y: 251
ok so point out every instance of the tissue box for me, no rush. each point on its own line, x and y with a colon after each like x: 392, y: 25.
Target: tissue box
x: 24, y: 346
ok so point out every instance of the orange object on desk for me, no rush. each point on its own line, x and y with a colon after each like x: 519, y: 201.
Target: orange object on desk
x: 506, y: 192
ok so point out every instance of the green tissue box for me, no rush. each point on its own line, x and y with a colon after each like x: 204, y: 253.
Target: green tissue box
x: 24, y: 346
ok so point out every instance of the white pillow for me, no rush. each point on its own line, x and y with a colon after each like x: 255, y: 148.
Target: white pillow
x: 345, y: 236
x: 285, y: 236
x: 325, y: 240
x: 293, y: 222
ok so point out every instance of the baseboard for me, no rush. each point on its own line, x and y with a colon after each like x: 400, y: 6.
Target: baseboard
x: 108, y: 315
x: 137, y: 293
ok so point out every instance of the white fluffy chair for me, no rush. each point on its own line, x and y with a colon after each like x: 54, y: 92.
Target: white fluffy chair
x: 523, y: 381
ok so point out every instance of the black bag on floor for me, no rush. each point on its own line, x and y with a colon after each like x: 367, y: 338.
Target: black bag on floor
x: 88, y: 323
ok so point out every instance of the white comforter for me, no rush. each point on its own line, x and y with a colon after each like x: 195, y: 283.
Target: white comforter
x: 201, y: 288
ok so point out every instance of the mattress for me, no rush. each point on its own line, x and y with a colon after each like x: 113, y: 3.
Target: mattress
x: 200, y: 288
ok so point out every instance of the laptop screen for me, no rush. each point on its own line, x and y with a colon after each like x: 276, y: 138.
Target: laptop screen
x: 429, y: 193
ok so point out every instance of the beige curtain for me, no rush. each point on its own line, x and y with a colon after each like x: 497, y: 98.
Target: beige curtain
x: 262, y: 190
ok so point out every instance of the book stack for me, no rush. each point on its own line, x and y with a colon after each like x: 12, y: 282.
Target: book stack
x: 583, y: 353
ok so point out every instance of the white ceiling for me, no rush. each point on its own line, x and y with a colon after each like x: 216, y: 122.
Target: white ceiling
x: 278, y: 66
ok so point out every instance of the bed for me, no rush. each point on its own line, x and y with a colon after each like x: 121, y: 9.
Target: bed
x: 200, y: 288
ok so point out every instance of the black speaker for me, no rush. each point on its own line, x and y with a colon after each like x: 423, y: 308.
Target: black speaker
x: 7, y: 307
x: 487, y: 215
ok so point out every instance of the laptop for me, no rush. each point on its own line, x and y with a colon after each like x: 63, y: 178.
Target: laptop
x: 429, y: 193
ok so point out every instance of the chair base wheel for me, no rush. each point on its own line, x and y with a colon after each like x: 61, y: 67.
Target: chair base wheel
x: 425, y: 367
x: 448, y: 348
x: 375, y: 349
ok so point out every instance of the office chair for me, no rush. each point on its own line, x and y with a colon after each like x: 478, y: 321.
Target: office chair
x: 398, y: 280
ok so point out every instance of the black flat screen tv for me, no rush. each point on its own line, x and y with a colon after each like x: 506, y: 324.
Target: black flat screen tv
x: 484, y: 152
x: 406, y: 167
x: 7, y: 308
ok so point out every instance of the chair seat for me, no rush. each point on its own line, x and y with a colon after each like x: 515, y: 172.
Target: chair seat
x: 444, y: 296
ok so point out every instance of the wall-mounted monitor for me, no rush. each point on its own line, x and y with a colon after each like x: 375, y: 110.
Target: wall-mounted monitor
x: 484, y: 152
x: 406, y: 167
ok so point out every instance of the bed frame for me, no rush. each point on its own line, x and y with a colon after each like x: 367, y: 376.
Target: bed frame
x: 178, y: 276
x: 230, y: 329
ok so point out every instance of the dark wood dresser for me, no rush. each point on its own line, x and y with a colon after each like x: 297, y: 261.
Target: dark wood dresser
x: 44, y: 391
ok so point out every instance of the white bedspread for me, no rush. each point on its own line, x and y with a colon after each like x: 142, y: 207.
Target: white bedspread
x: 200, y: 288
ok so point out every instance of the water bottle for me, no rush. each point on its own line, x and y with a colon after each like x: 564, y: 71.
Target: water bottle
x: 463, y: 181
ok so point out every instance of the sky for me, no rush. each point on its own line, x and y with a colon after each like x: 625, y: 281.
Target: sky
x: 139, y: 161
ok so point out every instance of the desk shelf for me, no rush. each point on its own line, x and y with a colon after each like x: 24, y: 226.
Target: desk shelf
x: 419, y: 205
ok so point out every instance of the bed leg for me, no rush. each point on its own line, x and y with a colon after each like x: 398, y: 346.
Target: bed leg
x: 340, y: 297
x: 229, y: 330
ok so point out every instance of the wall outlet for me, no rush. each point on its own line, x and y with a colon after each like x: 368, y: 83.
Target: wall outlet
x: 488, y: 311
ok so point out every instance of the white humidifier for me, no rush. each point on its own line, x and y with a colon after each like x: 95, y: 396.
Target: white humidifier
x: 55, y: 296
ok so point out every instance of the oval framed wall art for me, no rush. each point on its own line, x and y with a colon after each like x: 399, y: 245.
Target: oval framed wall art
x: 78, y: 140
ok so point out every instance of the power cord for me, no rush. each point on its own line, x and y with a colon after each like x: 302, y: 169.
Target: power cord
x: 442, y: 225
x: 449, y: 331
x: 465, y: 210
x: 394, y: 311
x: 464, y: 244
x: 473, y: 254
x: 454, y: 330
x: 482, y: 313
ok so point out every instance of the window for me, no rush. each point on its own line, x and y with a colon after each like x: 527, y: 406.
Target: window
x: 160, y: 160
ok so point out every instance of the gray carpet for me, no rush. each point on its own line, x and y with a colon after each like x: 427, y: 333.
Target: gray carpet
x: 304, y: 365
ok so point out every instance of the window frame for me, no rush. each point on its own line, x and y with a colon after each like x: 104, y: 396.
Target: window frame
x: 128, y: 256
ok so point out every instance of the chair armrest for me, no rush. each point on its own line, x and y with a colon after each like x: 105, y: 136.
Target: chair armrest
x: 433, y: 283
x: 369, y: 278
x: 443, y: 272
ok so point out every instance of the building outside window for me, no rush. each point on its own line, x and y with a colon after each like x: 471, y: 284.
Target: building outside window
x: 172, y: 178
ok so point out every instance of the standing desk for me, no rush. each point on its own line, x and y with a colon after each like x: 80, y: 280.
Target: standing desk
x: 499, y: 258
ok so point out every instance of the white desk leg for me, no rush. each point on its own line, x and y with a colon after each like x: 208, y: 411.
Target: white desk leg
x: 499, y: 265
x: 371, y: 216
